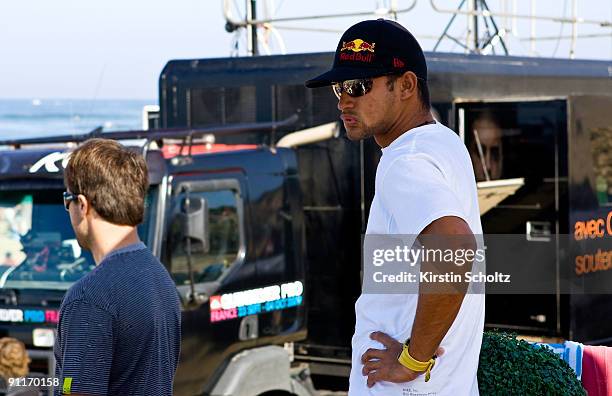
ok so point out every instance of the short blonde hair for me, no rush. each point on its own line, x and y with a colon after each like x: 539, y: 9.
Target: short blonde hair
x: 14, y: 359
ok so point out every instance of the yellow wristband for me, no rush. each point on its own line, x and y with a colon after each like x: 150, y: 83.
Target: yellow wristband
x: 411, y: 363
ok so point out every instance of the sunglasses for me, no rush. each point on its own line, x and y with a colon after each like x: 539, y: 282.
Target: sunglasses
x: 69, y: 197
x: 353, y: 88
x: 358, y: 87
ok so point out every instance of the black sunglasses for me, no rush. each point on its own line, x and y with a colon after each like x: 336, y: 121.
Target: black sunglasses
x: 69, y: 197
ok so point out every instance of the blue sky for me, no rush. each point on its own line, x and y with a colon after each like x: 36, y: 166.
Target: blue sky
x: 116, y: 49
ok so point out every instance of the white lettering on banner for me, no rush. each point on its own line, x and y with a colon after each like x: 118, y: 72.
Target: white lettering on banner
x: 247, y: 297
x: 258, y: 296
x: 49, y: 162
x: 292, y: 289
x: 255, y: 301
x: 29, y: 315
x: 11, y: 315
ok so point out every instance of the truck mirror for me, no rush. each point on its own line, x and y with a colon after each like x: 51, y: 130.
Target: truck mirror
x: 193, y: 217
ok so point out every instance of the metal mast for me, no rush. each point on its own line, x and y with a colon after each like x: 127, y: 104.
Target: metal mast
x: 478, y: 11
x: 251, y: 15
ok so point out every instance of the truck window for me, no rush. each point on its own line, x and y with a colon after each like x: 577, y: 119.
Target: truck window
x: 601, y: 150
x: 509, y: 140
x: 38, y: 248
x: 224, y: 241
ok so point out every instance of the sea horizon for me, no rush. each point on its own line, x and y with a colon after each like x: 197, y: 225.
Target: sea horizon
x: 7, y: 98
x: 32, y: 117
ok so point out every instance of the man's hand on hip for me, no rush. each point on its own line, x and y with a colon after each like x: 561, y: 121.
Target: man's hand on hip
x: 382, y: 364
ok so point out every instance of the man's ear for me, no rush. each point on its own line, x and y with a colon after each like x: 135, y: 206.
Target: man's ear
x: 84, y: 205
x: 408, y: 85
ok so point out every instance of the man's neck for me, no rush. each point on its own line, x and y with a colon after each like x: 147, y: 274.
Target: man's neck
x: 109, y: 237
x: 404, y: 125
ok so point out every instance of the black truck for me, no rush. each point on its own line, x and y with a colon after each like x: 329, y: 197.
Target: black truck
x: 258, y: 204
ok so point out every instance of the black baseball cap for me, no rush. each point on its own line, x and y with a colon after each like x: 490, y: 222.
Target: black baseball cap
x: 374, y: 48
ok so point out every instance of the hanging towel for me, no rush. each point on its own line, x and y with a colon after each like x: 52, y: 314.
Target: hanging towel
x: 571, y: 352
x: 597, y: 370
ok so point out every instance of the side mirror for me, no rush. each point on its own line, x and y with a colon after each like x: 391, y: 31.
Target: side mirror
x: 193, y: 217
x: 192, y: 222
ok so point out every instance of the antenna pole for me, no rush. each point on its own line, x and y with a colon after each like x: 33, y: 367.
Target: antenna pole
x: 476, y: 9
x: 251, y: 15
x: 476, y: 44
x: 445, y: 32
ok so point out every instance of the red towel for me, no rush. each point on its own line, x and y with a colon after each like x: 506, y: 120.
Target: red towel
x: 597, y: 370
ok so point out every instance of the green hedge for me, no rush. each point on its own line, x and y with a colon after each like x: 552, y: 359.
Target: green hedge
x: 514, y: 367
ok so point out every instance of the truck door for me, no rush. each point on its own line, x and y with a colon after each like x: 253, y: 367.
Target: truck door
x: 218, y: 265
x: 513, y: 141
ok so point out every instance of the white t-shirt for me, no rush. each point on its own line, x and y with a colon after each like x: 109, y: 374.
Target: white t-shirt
x: 424, y: 175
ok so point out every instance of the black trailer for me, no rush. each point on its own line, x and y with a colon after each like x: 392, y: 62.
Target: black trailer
x: 545, y: 122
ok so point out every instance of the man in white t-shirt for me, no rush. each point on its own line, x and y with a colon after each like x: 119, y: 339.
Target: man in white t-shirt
x: 425, y: 187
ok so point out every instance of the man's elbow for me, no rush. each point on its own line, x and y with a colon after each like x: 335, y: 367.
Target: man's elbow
x: 452, y: 232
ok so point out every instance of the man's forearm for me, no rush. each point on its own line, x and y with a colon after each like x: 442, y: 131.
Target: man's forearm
x: 439, y: 302
x: 434, y: 316
x: 437, y: 308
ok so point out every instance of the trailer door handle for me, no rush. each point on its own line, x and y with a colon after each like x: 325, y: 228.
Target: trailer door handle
x: 248, y: 328
x: 539, y: 231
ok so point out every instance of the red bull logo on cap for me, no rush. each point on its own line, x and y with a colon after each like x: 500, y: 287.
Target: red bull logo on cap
x: 357, y: 45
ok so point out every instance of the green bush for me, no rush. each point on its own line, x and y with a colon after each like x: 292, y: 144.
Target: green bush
x: 514, y: 367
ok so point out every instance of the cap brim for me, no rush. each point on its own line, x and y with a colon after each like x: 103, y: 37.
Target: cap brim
x: 339, y: 74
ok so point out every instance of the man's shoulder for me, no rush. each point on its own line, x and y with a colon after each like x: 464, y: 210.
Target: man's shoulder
x: 137, y: 254
x: 437, y: 140
x: 432, y: 147
x: 79, y: 290
x: 138, y: 264
x: 135, y: 274
x: 129, y: 266
x: 97, y: 286
x: 86, y: 291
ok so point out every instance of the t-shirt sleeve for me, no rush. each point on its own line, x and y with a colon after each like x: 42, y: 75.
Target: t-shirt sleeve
x: 86, y: 348
x: 415, y: 192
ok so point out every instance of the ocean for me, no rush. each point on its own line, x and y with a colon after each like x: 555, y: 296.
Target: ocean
x: 47, y: 117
